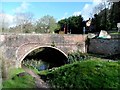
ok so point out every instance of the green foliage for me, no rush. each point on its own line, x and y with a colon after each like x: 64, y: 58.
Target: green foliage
x: 115, y: 33
x: 53, y: 44
x: 26, y: 81
x: 107, y: 19
x: 72, y: 24
x: 15, y: 71
x: 115, y: 12
x: 36, y: 65
x: 87, y: 74
x: 77, y: 56
x: 46, y: 24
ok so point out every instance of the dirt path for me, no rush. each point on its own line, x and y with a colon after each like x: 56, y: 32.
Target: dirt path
x: 39, y: 82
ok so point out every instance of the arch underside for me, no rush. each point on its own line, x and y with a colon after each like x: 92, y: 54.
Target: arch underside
x: 56, y: 54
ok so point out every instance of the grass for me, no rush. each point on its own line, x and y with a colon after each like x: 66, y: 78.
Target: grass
x: 91, y: 73
x: 115, y: 33
x: 33, y: 69
x: 13, y: 72
x: 95, y: 73
x: 15, y: 81
x: 26, y: 81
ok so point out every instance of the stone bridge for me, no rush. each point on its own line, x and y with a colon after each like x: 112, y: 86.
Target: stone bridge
x: 15, y: 47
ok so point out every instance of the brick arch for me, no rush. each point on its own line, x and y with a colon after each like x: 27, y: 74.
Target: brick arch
x: 34, y: 48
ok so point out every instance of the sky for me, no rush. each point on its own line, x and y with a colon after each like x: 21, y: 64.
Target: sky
x: 59, y: 9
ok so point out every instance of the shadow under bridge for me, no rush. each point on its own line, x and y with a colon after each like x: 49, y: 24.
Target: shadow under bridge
x: 45, y: 58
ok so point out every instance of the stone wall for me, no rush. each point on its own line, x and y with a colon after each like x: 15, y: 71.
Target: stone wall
x: 104, y: 46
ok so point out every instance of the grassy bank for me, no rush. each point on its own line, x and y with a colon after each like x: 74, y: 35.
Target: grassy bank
x: 19, y: 81
x: 92, y: 73
x: 87, y: 74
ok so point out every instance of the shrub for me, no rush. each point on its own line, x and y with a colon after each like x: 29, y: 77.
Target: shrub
x: 77, y: 56
x: 35, y: 64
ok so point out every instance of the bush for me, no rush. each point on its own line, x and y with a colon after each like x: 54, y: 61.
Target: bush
x: 85, y: 74
x: 77, y: 56
x: 35, y: 64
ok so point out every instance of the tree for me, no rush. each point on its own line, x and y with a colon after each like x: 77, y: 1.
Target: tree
x: 46, y: 24
x: 102, y: 10
x: 75, y: 24
x: 72, y: 24
x: 3, y: 22
x: 114, y: 16
x: 102, y: 16
x: 24, y: 21
x: 63, y: 25
x: 109, y: 17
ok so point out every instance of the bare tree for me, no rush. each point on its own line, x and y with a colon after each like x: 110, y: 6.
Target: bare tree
x: 104, y: 4
x: 24, y: 21
x: 46, y: 24
x: 3, y: 22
